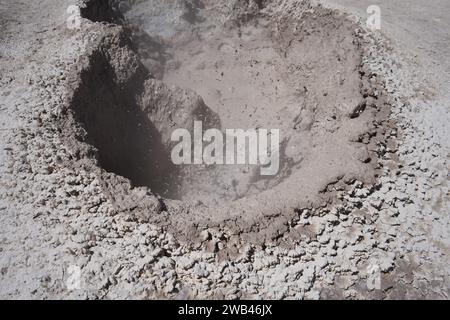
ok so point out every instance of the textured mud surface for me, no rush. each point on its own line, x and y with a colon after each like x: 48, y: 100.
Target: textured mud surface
x: 267, y: 71
x: 86, y: 178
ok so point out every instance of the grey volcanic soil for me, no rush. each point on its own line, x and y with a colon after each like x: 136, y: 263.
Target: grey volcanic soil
x: 87, y: 181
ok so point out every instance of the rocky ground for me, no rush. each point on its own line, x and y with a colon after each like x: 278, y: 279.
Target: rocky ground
x: 64, y: 216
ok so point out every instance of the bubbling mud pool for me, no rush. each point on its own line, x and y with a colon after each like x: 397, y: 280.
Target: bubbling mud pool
x: 232, y: 67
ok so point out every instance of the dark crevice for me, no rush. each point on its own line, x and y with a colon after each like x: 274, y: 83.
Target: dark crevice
x: 101, y: 11
x: 127, y: 142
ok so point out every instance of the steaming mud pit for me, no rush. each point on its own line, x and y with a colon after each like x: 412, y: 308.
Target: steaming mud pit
x: 86, y: 117
x: 233, y: 68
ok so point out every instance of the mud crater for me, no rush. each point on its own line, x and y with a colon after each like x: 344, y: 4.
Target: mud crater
x: 237, y: 66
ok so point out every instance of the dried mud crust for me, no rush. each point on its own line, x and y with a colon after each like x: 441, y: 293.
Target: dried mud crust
x: 299, y: 70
